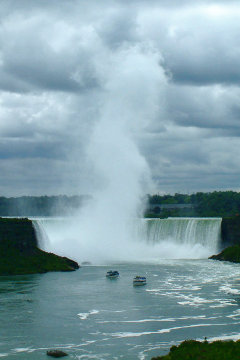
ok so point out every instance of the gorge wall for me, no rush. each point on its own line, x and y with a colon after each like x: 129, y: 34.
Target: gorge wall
x: 230, y: 231
x: 19, y: 252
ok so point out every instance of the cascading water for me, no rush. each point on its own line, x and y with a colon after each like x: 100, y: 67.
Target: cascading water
x: 203, y: 231
x: 41, y: 233
x: 151, y: 240
x: 185, y: 237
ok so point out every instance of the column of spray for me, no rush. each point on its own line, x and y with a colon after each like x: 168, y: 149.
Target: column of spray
x: 133, y: 80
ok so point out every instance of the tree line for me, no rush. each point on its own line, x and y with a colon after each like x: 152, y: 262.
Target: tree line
x: 205, y: 204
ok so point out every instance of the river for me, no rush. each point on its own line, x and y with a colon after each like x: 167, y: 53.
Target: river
x: 91, y: 317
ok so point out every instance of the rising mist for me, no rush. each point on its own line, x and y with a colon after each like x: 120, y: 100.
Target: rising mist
x: 130, y: 98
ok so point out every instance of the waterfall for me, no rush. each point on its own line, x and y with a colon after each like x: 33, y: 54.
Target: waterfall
x: 189, y: 231
x: 41, y: 234
x: 148, y: 240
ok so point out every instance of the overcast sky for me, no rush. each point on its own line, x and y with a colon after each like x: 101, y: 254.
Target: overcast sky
x: 60, y: 62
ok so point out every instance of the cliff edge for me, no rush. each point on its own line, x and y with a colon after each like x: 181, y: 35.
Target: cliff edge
x: 230, y: 231
x: 19, y: 252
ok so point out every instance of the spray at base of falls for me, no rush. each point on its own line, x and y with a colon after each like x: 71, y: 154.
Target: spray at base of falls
x: 148, y: 240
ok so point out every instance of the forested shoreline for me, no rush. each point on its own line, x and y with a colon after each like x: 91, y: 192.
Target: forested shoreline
x: 203, y: 204
x: 200, y: 204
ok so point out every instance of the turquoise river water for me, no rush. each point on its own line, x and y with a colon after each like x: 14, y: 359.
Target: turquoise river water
x: 91, y: 317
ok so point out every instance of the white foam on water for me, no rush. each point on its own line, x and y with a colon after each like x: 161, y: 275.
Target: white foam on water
x: 234, y: 337
x: 227, y: 289
x: 221, y: 303
x: 92, y: 356
x: 19, y: 350
x: 203, y: 317
x: 162, y: 331
x: 86, y: 343
x: 154, y: 290
x: 235, y: 315
x: 84, y: 316
x: 194, y: 300
x: 114, y: 311
x: 175, y: 288
x: 137, y: 321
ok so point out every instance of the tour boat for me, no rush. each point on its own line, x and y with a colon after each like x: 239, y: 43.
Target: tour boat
x: 112, y: 274
x: 139, y: 280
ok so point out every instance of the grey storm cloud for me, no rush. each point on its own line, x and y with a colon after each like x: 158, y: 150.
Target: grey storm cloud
x: 29, y: 62
x: 202, y: 107
x: 57, y: 62
x: 206, y: 56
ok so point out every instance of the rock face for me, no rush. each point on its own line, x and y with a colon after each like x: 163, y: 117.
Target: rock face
x: 230, y: 230
x: 18, y: 233
x: 231, y: 253
x: 56, y: 353
x: 19, y: 253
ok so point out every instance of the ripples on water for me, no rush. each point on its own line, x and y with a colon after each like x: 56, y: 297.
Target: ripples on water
x: 92, y: 317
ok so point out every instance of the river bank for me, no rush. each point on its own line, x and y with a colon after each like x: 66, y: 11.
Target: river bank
x: 196, y: 350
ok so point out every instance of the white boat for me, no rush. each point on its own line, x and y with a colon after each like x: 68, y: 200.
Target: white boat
x: 112, y: 274
x: 139, y: 281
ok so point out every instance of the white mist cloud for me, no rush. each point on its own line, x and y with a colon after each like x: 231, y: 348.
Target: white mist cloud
x: 129, y: 101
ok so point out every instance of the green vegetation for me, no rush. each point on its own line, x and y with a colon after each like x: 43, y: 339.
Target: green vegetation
x: 19, y: 253
x: 165, y: 213
x: 196, y: 350
x: 15, y: 263
x: 170, y: 199
x: 231, y: 253
x: 210, y: 204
